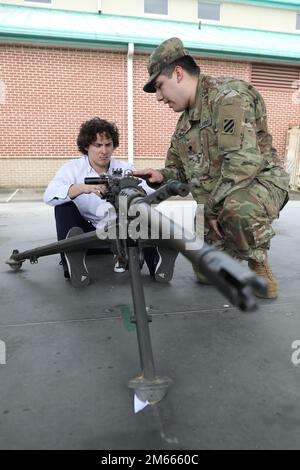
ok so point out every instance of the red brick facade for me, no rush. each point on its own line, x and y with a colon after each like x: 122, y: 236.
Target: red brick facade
x: 50, y: 91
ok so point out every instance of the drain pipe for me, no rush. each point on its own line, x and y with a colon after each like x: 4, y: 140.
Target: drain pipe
x: 130, y: 100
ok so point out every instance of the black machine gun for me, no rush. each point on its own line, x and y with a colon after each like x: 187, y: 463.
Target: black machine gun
x: 130, y: 201
x: 118, y: 184
x: 125, y: 185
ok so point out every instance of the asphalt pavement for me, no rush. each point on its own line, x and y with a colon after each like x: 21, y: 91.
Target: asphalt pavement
x: 66, y: 355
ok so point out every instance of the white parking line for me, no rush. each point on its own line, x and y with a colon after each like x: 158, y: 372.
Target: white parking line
x: 12, y: 195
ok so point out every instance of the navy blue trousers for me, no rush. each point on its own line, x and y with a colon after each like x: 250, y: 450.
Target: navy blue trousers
x: 67, y: 216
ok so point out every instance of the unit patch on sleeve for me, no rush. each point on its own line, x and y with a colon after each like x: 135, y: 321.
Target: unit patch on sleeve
x: 228, y: 126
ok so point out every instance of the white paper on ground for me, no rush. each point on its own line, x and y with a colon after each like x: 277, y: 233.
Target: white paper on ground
x: 139, y: 404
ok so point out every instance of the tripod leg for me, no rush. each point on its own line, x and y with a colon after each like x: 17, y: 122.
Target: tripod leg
x: 148, y: 387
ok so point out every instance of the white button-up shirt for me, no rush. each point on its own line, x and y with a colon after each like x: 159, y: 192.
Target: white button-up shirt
x: 90, y: 206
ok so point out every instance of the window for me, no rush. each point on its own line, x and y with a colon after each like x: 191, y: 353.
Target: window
x: 38, y: 1
x: 209, y: 11
x: 298, y: 21
x: 159, y: 7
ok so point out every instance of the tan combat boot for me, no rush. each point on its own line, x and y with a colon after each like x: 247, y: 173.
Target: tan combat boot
x: 263, y: 270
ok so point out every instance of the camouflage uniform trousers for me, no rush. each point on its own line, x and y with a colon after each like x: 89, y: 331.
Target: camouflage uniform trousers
x: 245, y: 218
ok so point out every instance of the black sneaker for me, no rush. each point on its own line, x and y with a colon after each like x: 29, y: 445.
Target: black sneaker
x: 165, y: 265
x: 77, y: 269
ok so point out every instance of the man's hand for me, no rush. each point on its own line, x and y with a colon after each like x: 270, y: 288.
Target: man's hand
x: 77, y: 189
x: 150, y: 175
x: 216, y: 227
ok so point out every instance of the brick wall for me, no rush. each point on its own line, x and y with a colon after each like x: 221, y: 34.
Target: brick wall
x: 49, y: 92
x: 283, y: 112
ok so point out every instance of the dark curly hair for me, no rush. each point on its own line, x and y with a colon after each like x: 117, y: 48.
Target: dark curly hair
x: 89, y: 129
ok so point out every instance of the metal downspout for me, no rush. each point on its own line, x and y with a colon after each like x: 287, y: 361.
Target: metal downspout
x: 130, y: 100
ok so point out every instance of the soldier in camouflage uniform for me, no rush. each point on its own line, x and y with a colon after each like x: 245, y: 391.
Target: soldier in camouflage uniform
x: 222, y: 148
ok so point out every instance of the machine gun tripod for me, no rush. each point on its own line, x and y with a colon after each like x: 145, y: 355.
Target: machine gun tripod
x: 234, y: 281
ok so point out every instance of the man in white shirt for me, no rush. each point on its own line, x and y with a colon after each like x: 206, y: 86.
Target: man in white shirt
x: 80, y: 205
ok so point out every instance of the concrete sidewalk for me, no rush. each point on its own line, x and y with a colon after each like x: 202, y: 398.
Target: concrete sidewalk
x: 70, y: 353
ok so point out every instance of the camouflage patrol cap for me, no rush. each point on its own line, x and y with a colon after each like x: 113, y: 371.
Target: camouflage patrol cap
x: 166, y: 53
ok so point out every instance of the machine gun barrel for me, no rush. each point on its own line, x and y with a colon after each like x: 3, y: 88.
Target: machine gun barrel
x: 233, y: 280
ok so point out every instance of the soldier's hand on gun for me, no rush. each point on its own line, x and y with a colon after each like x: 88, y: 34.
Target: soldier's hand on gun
x: 150, y: 175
